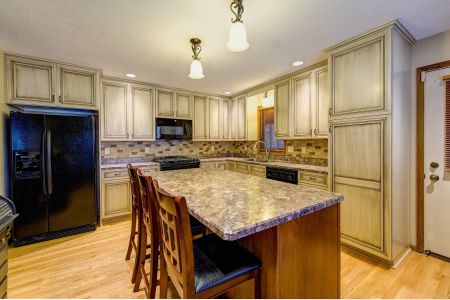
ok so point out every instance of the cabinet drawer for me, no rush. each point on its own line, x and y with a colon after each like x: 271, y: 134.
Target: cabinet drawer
x: 241, y: 168
x: 147, y: 170
x: 221, y: 165
x: 208, y: 165
x: 115, y: 174
x: 257, y: 170
x: 314, y: 178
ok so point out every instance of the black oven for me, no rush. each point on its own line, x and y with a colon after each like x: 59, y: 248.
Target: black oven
x: 173, y: 129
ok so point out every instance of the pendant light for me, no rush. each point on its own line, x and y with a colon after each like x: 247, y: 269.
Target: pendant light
x: 237, y: 40
x: 266, y: 101
x: 196, y: 66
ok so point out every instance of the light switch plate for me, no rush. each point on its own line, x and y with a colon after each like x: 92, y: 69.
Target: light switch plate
x: 290, y: 149
x: 107, y: 151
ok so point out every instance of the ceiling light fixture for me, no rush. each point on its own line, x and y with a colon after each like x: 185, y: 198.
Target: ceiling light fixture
x: 237, y: 40
x: 130, y: 75
x: 297, y: 63
x: 196, y: 66
x: 227, y: 93
x: 266, y: 101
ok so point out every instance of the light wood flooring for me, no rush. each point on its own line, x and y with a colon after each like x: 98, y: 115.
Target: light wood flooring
x: 92, y: 265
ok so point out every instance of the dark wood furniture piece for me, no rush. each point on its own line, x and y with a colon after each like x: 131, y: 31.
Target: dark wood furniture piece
x: 149, y: 236
x: 136, y: 219
x: 204, y: 268
x: 7, y: 216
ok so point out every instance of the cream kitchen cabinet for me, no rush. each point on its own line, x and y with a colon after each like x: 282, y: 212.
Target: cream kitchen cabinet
x: 282, y: 109
x: 45, y: 83
x: 302, y: 106
x: 322, y: 103
x: 200, y: 122
x: 370, y: 161
x: 127, y: 111
x: 225, y: 119
x: 214, y: 118
x: 238, y: 130
x: 173, y: 104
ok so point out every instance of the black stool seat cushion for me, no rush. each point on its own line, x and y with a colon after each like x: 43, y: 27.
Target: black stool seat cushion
x: 217, y: 261
x: 195, y: 224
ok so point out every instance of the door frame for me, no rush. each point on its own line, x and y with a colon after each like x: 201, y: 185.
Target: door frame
x: 420, y: 151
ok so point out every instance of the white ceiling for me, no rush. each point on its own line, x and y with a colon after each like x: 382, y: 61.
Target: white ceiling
x: 151, y: 38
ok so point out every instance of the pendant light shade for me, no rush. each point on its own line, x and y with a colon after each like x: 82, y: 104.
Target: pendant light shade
x: 237, y: 41
x: 196, y: 70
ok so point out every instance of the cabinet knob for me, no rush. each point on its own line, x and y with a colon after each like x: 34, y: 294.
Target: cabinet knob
x: 434, y: 165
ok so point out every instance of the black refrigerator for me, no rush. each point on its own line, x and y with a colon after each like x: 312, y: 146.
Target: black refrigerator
x: 53, y: 175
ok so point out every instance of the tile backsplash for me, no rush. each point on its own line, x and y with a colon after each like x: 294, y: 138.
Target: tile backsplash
x: 314, y: 152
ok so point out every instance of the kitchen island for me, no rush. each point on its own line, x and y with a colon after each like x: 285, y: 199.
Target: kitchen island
x: 294, y: 231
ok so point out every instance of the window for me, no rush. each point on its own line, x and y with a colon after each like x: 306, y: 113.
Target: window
x: 267, y: 130
x: 447, y: 123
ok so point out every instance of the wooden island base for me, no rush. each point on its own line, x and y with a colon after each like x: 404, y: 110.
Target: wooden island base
x: 300, y: 258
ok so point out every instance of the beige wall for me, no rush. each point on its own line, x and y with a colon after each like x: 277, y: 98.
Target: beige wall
x: 3, y: 132
x: 425, y: 52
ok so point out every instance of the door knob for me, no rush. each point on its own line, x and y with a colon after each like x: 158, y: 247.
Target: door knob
x: 434, y: 165
x: 434, y: 177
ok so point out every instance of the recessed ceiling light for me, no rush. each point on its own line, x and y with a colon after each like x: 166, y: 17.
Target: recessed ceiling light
x: 227, y: 93
x: 297, y: 63
x: 130, y: 75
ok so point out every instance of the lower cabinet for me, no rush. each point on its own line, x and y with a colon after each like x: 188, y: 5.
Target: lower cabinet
x: 313, y: 180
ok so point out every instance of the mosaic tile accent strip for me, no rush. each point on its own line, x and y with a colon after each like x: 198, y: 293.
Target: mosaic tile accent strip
x: 312, y: 152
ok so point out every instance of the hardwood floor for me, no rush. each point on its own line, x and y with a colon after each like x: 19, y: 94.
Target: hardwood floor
x: 93, y: 265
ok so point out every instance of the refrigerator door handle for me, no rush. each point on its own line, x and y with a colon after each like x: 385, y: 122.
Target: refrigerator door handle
x: 43, y: 169
x: 49, y: 162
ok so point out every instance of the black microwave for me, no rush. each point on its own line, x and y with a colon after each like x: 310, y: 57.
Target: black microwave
x: 173, y: 129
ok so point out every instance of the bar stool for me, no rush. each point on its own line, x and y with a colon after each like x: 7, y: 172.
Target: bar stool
x: 136, y: 217
x: 150, y: 237
x: 203, y: 268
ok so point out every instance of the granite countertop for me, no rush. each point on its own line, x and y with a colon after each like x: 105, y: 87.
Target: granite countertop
x: 283, y: 164
x: 234, y: 205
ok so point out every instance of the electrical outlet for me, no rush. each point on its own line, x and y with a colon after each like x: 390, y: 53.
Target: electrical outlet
x: 147, y: 149
x: 304, y: 149
x: 290, y: 149
x: 107, y: 151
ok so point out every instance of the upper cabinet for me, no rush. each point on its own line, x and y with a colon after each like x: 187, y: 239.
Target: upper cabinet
x: 302, y: 105
x: 225, y: 119
x: 172, y: 104
x: 214, y: 118
x: 282, y: 109
x: 200, y: 118
x: 39, y: 82
x: 238, y: 129
x: 356, y: 67
x: 127, y: 111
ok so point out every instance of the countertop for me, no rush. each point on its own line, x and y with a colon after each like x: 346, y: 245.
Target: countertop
x: 234, y: 205
x: 288, y: 165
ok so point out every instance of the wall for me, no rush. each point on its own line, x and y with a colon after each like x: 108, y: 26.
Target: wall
x: 304, y: 151
x: 425, y: 52
x: 4, y: 113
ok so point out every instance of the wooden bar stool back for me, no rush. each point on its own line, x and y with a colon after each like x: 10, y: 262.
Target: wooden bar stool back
x: 149, y: 237
x: 200, y: 278
x: 135, y: 219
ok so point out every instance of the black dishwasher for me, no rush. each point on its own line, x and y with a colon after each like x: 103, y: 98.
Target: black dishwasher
x: 282, y: 174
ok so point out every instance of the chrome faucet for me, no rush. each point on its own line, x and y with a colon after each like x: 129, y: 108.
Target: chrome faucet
x: 265, y: 147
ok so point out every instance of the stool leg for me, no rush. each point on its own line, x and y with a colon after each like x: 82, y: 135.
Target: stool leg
x: 132, y: 233
x: 138, y: 247
x: 163, y: 281
x: 154, y: 257
x: 140, y: 269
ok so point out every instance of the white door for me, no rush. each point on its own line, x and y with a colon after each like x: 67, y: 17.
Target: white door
x: 437, y: 191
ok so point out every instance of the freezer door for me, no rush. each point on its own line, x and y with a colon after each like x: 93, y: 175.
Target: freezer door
x: 71, y: 179
x: 28, y: 186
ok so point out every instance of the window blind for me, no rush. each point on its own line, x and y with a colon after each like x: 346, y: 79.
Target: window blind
x: 447, y: 123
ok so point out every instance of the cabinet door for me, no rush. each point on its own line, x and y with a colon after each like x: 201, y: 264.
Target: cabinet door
x: 242, y: 118
x: 165, y: 103
x: 214, y: 119
x: 116, y: 198
x: 200, y: 118
x: 142, y: 116
x: 114, y: 107
x: 77, y: 87
x: 234, y: 113
x: 322, y: 103
x: 302, y: 106
x: 358, y: 78
x: 30, y: 81
x: 225, y: 105
x: 282, y: 94
x: 183, y: 106
x: 358, y: 173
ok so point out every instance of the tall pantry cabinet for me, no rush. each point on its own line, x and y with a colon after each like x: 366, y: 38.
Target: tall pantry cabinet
x: 370, y: 138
